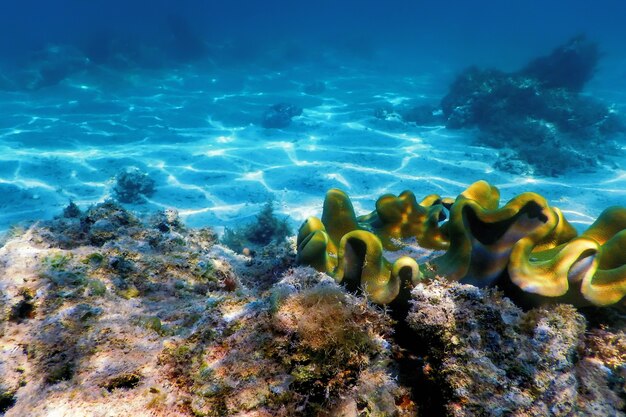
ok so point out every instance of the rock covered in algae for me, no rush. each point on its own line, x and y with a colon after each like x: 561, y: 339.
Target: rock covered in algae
x: 159, y: 320
x: 308, y: 349
x: 83, y: 324
x: 492, y: 359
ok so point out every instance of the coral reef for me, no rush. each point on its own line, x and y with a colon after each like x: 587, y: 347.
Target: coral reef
x: 491, y: 359
x: 525, y: 247
x: 569, y: 66
x: 538, y: 107
x: 153, y: 318
x: 279, y: 115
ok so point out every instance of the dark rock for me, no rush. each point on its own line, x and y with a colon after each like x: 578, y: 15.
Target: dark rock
x: 124, y: 381
x: 166, y: 221
x: 7, y: 399
x: 280, y: 115
x: 121, y: 265
x: 102, y: 231
x: 99, y: 224
x: 24, y: 309
x: 84, y: 312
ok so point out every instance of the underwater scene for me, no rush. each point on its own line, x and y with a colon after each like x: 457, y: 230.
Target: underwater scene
x: 330, y: 208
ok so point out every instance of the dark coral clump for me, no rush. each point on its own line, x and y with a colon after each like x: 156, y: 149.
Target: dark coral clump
x: 97, y: 225
x: 569, y: 66
x: 71, y: 211
x: 24, y: 309
x: 7, y: 399
x: 265, y: 229
x: 279, y: 115
x: 133, y: 186
x: 538, y: 108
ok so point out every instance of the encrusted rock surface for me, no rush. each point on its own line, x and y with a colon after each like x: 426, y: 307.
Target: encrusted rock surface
x: 154, y: 319
x: 492, y: 359
x: 308, y: 349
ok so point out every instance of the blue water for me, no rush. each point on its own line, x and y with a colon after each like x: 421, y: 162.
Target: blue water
x: 178, y: 91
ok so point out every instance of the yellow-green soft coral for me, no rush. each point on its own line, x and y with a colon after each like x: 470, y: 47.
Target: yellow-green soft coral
x: 361, y: 265
x: 482, y: 235
x: 318, y: 240
x: 338, y: 245
x: 526, y: 241
x: 593, y: 264
x: 398, y: 218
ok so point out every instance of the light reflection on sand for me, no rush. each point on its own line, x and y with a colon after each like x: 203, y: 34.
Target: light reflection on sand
x: 212, y: 161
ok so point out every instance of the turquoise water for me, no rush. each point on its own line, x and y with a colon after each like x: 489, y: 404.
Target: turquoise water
x: 185, y: 106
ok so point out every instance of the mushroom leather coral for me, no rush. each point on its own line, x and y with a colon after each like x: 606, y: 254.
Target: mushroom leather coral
x: 482, y: 235
x: 361, y: 264
x: 402, y: 217
x: 525, y: 241
x: 594, y: 263
x: 340, y: 245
